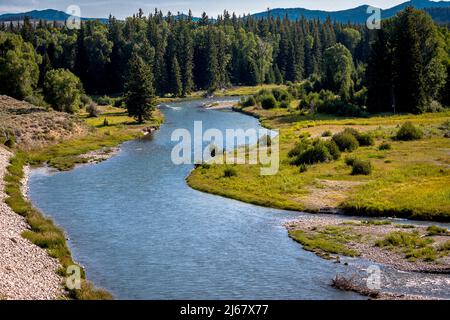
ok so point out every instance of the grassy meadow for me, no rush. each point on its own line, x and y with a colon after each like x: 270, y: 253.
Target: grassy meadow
x: 409, y: 179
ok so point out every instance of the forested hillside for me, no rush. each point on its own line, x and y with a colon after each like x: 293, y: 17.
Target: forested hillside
x: 402, y: 67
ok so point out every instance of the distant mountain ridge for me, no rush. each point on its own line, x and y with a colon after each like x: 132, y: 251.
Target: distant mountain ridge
x: 440, y: 11
x: 359, y: 14
x: 47, y: 15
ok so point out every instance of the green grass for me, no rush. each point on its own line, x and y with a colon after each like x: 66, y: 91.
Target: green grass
x: 376, y: 222
x: 411, y: 244
x: 330, y: 240
x: 437, y: 231
x: 414, y: 181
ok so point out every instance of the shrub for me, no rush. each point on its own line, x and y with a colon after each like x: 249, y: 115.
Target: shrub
x: 284, y: 104
x: 281, y: 95
x: 268, y: 102
x: 409, y: 132
x: 327, y: 133
x: 299, y: 148
x: 118, y: 103
x: 361, y: 167
x: 229, y: 172
x: 349, y: 160
x: 303, y: 168
x: 365, y: 140
x: 10, y: 141
x: 105, y: 101
x: 249, y: 102
x: 437, y: 231
x: 315, y: 153
x: 63, y: 90
x: 346, y: 141
x: 385, y: 146
x: 37, y: 100
x: 93, y: 110
x: 333, y: 149
x: 85, y: 99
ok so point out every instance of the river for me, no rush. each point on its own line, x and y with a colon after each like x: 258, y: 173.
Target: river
x: 142, y: 233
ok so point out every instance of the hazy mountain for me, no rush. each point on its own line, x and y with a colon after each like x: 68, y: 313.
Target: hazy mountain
x: 48, y: 15
x: 438, y: 10
x: 359, y: 14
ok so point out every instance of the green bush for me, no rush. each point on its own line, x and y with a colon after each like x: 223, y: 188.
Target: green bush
x: 299, y: 148
x: 437, y: 231
x: 346, y: 141
x: 105, y: 101
x: 385, y: 146
x: 10, y: 141
x: 303, y: 168
x: 37, y: 100
x: 409, y: 132
x: 229, y: 172
x: 85, y: 99
x: 349, y: 160
x: 365, y: 140
x: 281, y: 94
x: 268, y: 102
x: 327, y: 133
x: 333, y: 149
x: 63, y: 90
x: 284, y: 104
x: 249, y: 102
x: 361, y: 167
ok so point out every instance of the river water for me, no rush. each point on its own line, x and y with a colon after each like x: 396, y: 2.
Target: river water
x: 142, y: 233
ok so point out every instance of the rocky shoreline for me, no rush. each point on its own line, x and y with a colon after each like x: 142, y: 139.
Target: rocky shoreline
x: 27, y: 272
x: 360, y: 237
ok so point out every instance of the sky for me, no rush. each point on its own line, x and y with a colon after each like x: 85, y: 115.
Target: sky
x: 125, y: 8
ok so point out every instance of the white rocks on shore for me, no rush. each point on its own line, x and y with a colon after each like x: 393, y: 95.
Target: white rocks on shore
x: 27, y: 272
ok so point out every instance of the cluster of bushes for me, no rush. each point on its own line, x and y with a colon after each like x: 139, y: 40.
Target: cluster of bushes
x: 269, y: 99
x: 350, y: 139
x: 110, y: 101
x: 315, y: 97
x: 307, y: 152
x: 311, y: 151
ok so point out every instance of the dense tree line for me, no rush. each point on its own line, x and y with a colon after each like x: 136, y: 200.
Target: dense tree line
x: 405, y: 64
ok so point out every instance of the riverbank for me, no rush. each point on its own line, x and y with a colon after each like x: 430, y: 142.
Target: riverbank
x: 405, y: 247
x: 27, y: 272
x: 42, y: 243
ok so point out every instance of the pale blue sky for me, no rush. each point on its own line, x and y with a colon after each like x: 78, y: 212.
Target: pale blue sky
x: 124, y: 8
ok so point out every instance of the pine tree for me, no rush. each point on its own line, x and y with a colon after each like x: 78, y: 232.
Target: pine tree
x: 27, y: 31
x: 139, y: 92
x: 379, y: 75
x: 408, y: 81
x: 176, y: 86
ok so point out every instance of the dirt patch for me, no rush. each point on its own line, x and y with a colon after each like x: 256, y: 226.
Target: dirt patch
x: 327, y: 194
